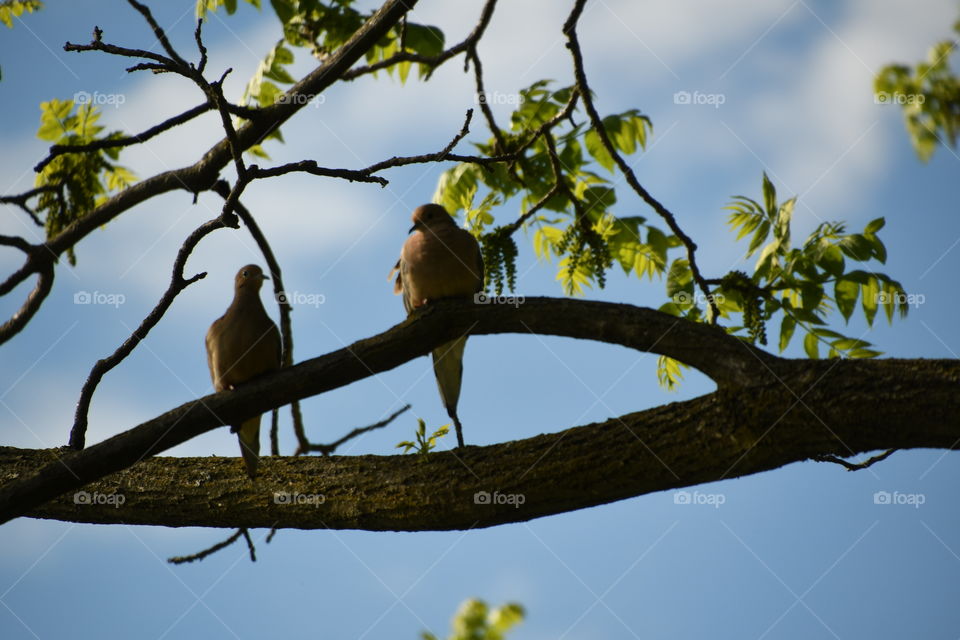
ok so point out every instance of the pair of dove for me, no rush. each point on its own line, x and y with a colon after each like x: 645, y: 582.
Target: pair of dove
x: 438, y: 260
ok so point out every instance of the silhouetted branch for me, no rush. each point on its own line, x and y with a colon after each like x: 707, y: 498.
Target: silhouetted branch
x: 31, y: 305
x: 200, y: 555
x: 855, y: 466
x: 431, y: 61
x: 573, y: 44
x: 177, y: 284
x: 201, y: 175
x: 21, y: 200
x: 327, y: 449
x: 60, y: 149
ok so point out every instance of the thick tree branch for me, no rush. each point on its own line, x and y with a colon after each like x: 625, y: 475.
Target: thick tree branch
x: 727, y: 434
x: 733, y: 364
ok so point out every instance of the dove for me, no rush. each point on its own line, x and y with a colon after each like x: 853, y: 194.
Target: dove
x: 440, y: 260
x: 241, y: 345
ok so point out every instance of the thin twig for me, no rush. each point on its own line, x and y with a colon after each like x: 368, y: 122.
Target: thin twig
x: 327, y: 449
x: 855, y: 466
x: 177, y: 284
x: 60, y: 149
x: 21, y: 199
x: 200, y: 555
x: 31, y: 305
x: 158, y: 32
x: 433, y: 62
x: 573, y: 44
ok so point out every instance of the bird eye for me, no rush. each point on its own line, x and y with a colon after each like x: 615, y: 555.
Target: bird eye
x: 246, y: 273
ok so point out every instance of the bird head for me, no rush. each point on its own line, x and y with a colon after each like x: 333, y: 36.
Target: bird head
x: 250, y: 278
x: 430, y: 216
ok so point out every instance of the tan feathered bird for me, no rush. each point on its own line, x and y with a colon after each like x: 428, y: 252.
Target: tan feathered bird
x: 440, y: 260
x: 241, y: 345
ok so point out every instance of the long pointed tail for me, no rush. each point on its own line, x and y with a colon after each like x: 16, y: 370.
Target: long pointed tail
x: 448, y: 367
x: 248, y: 435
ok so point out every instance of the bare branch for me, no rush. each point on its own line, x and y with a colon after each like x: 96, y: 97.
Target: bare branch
x: 431, y: 61
x: 855, y: 466
x: 573, y: 43
x: 327, y: 449
x: 21, y: 200
x: 60, y: 149
x: 177, y: 285
x: 159, y: 32
x: 202, y: 175
x: 200, y: 555
x: 31, y: 305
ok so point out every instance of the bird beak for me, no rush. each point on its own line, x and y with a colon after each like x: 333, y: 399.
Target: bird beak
x: 264, y: 277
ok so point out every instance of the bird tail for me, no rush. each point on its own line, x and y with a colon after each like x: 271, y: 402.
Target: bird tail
x: 248, y: 435
x: 448, y: 368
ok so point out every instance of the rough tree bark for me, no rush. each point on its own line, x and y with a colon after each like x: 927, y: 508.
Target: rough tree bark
x: 766, y: 412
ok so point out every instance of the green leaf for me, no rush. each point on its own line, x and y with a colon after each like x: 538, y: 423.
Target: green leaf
x: 596, y: 149
x: 874, y: 225
x: 843, y: 344
x: 845, y: 294
x: 679, y: 278
x: 811, y: 346
x: 864, y: 353
x: 787, y: 326
x: 669, y: 372
x: 769, y: 196
x: 856, y: 246
x: 869, y: 297
x: 831, y: 260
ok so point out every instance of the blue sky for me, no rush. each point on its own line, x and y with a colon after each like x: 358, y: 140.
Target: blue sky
x: 799, y: 552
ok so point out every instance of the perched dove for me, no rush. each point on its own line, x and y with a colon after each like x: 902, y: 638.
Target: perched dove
x: 242, y: 344
x: 440, y: 260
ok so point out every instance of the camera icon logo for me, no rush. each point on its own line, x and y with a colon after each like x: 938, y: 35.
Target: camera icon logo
x: 481, y: 497
x: 681, y: 497
x: 681, y: 97
x: 881, y: 497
